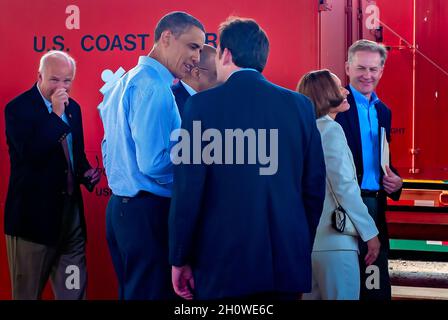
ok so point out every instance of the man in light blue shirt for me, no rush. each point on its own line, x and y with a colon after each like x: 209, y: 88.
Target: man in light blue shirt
x: 368, y: 125
x: 138, y: 114
x: 362, y: 125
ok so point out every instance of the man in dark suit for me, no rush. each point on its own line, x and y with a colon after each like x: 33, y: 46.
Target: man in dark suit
x: 201, y: 77
x: 44, y: 220
x: 362, y: 125
x: 241, y: 227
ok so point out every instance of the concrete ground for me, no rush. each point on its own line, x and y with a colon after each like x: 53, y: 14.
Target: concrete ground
x: 419, y: 273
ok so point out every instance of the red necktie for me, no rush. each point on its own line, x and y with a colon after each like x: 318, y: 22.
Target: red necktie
x: 70, y: 177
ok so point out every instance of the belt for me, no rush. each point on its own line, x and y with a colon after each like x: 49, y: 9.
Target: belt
x: 369, y: 194
x: 140, y: 194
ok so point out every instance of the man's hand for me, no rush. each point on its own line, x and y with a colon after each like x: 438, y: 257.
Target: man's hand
x: 183, y: 282
x: 391, y: 181
x: 94, y: 175
x: 373, y: 250
x: 59, y: 99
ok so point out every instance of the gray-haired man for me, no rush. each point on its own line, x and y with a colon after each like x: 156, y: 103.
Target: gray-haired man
x: 362, y: 125
x: 44, y: 220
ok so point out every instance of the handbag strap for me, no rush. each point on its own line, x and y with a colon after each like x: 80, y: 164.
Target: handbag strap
x: 333, y: 194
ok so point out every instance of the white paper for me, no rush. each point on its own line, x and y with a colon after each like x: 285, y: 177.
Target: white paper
x: 384, y: 151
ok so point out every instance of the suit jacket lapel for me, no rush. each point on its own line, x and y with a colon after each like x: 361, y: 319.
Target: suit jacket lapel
x: 184, y: 90
x: 380, y: 115
x: 69, y: 115
x: 381, y: 123
x: 353, y: 118
x: 38, y: 103
x: 39, y: 107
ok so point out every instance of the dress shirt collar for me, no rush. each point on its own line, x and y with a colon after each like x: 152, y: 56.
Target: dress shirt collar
x: 190, y: 90
x: 361, y: 99
x: 164, y: 73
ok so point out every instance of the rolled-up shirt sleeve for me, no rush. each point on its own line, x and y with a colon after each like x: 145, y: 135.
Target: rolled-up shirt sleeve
x: 153, y: 115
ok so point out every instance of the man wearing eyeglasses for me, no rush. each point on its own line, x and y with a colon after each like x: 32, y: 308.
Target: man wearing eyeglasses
x: 201, y: 77
x: 44, y: 220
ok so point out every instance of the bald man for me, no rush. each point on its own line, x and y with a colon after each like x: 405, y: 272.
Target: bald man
x: 201, y: 77
x: 44, y: 220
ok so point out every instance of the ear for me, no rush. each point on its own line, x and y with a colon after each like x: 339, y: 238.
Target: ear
x: 39, y: 77
x: 381, y: 73
x: 165, y: 38
x: 347, y: 65
x: 227, y: 57
x: 196, y: 73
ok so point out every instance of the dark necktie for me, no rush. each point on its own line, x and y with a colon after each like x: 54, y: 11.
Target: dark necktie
x: 70, y: 176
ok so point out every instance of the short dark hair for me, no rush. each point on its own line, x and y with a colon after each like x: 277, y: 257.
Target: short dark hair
x: 246, y: 41
x: 177, y: 22
x: 321, y: 88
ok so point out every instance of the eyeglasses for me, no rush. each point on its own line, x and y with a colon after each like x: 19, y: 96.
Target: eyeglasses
x: 201, y: 68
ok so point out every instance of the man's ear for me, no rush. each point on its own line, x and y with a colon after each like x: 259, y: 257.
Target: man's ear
x: 227, y: 57
x: 39, y: 77
x: 381, y: 72
x: 196, y: 73
x: 347, y: 65
x: 165, y: 38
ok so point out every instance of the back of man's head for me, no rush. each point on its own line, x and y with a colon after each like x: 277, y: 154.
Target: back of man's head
x: 246, y: 41
x: 207, y: 68
x: 177, y: 22
x: 207, y: 57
